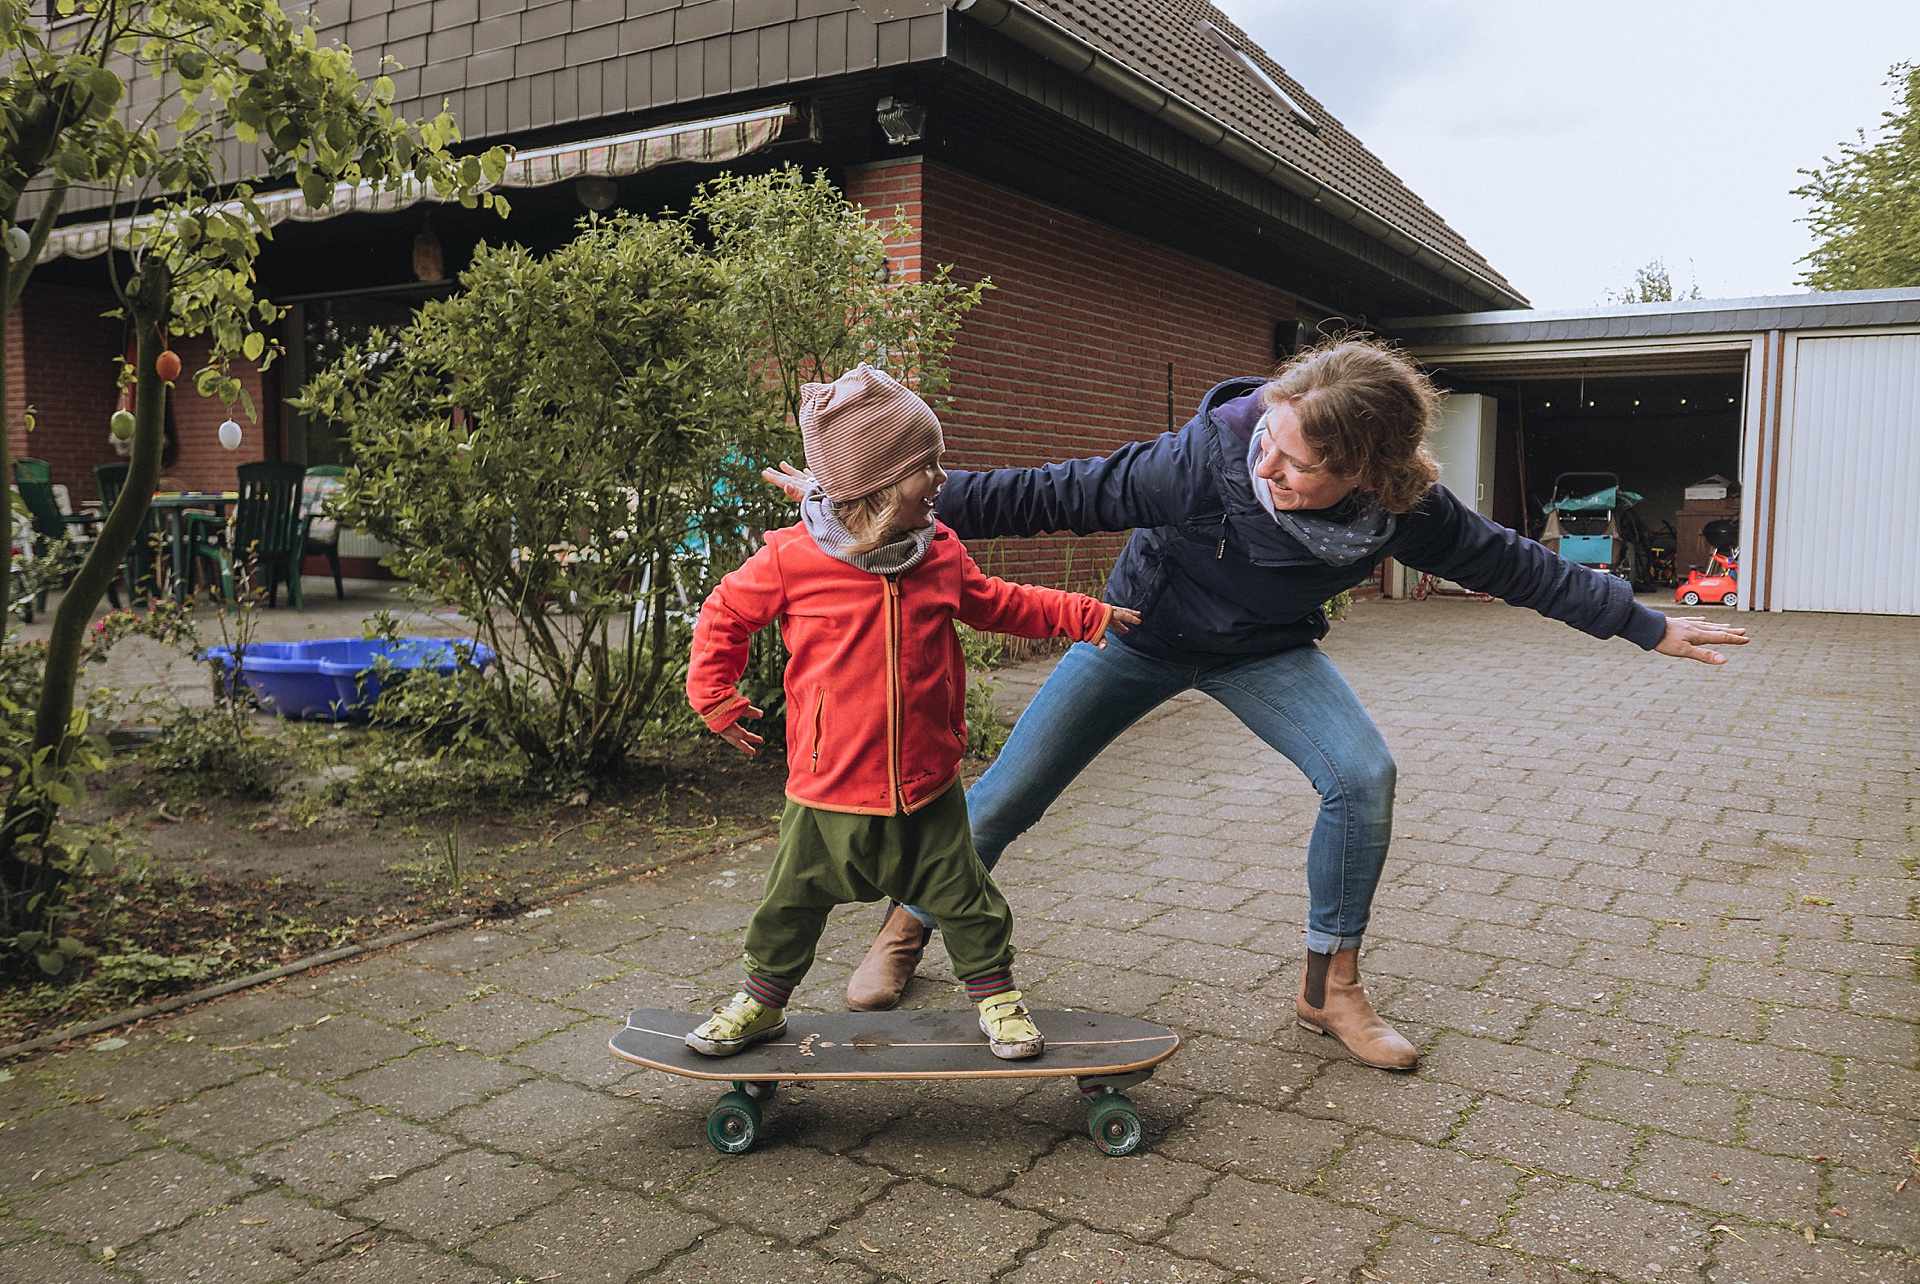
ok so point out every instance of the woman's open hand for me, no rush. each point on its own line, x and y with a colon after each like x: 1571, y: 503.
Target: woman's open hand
x: 1119, y: 620
x: 739, y: 737
x: 794, y: 481
x: 1689, y: 636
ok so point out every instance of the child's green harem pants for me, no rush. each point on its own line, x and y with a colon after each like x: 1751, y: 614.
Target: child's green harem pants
x: 830, y: 858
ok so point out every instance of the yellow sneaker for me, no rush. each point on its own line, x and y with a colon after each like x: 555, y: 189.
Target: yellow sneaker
x: 740, y: 1022
x: 1011, y: 1033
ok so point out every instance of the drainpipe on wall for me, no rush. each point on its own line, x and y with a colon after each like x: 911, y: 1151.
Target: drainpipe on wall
x: 1065, y: 49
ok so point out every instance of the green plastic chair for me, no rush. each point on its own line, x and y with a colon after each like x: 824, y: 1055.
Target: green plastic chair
x: 265, y: 532
x: 319, y: 533
x: 141, y: 569
x: 33, y: 479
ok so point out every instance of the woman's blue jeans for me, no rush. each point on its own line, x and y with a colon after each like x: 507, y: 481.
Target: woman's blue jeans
x: 1295, y: 700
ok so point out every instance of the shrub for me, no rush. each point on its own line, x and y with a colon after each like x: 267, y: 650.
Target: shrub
x: 568, y: 450
x: 550, y: 451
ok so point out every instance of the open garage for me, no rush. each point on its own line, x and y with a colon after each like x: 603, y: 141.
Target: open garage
x: 1784, y: 431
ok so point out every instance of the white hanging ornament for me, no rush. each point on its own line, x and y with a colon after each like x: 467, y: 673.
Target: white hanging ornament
x: 230, y: 435
x: 18, y: 243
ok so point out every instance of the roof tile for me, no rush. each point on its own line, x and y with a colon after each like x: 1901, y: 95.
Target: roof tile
x: 1161, y: 40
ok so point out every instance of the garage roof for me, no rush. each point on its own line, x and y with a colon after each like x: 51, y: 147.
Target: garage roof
x: 1840, y: 309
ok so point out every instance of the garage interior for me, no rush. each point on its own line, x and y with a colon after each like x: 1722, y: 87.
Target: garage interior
x: 1659, y: 426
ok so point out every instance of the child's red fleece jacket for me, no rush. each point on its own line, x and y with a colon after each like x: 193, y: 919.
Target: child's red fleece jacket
x: 876, y: 686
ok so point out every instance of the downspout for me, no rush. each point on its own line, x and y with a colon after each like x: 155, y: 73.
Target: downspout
x: 1064, y: 49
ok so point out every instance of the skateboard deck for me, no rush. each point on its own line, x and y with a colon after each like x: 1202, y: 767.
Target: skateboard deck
x: 898, y: 1045
x: 1103, y: 1053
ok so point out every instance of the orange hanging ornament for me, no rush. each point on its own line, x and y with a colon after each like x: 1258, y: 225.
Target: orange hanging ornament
x: 167, y: 366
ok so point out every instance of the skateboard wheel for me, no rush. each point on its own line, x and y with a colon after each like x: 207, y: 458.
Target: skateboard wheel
x: 1115, y: 1124
x: 733, y: 1125
x: 758, y: 1089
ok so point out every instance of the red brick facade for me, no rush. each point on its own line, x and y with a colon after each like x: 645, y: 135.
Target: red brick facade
x: 62, y: 369
x: 60, y: 362
x: 1068, y: 355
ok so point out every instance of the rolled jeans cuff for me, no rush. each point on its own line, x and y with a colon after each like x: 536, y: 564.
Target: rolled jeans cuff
x: 1323, y: 943
x: 925, y: 919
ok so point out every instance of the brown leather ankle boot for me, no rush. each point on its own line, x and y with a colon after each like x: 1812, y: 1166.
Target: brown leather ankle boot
x: 876, y: 984
x: 1333, y: 1002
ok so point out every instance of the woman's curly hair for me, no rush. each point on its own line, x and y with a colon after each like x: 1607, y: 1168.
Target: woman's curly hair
x: 1365, y: 409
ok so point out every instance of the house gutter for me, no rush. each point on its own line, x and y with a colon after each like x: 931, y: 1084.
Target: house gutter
x: 1065, y: 49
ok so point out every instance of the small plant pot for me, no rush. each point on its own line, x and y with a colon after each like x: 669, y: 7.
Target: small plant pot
x: 125, y: 738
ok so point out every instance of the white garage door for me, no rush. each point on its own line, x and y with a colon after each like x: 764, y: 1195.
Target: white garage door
x: 1849, y: 520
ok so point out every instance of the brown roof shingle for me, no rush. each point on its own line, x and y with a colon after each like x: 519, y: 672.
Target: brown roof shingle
x: 1162, y: 41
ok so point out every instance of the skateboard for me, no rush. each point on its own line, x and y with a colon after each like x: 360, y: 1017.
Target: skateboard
x: 1103, y: 1054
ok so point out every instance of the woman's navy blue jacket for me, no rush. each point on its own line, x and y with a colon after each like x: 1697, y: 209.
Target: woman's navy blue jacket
x: 1215, y: 577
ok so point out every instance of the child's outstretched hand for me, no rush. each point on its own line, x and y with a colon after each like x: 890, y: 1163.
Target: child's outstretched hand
x: 1121, y: 620
x: 742, y: 739
x: 794, y: 481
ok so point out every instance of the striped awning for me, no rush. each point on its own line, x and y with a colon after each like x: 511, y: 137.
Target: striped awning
x: 720, y: 138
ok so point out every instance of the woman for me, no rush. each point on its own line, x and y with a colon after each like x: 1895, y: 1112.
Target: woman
x: 1277, y: 496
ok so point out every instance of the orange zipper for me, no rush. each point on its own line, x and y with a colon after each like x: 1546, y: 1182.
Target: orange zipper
x: 895, y: 715
x: 819, y: 701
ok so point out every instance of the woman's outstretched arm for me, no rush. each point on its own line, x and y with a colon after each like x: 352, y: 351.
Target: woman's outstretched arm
x: 1148, y: 483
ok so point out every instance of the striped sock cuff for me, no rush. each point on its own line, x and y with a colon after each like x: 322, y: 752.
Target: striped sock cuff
x: 987, y: 986
x: 771, y: 993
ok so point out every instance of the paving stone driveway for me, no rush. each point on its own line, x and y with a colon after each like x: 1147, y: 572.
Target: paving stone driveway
x: 1653, y: 926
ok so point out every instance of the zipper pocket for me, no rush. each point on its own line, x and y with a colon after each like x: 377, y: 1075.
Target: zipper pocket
x: 819, y: 703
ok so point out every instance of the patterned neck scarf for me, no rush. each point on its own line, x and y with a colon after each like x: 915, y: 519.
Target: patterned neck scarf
x: 1338, y: 536
x: 896, y: 557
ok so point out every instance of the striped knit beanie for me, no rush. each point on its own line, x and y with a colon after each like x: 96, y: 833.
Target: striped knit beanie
x: 865, y: 431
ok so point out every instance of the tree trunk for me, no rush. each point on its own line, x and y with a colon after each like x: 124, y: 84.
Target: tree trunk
x: 150, y: 298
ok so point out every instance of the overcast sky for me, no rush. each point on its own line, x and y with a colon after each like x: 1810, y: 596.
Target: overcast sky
x: 1571, y: 143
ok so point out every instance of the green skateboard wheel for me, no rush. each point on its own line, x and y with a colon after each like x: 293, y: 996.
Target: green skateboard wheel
x: 733, y: 1125
x: 1115, y: 1124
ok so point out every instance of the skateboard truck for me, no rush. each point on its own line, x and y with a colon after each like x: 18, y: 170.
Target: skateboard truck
x: 1111, y: 1118
x: 733, y: 1125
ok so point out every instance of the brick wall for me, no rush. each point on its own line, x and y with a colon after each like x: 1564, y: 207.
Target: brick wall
x: 201, y: 463
x: 60, y: 361
x: 1067, y: 356
x: 63, y: 368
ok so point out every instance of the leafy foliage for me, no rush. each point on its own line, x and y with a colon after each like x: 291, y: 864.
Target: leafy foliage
x: 1866, y: 202
x: 567, y: 451
x: 814, y: 292
x: 551, y: 451
x: 1653, y: 284
x: 986, y: 732
x: 220, y: 72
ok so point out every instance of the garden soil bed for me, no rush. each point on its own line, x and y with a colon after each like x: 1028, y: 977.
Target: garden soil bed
x: 233, y: 887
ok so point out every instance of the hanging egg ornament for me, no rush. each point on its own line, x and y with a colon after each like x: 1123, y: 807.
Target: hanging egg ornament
x: 122, y: 424
x: 18, y: 243
x: 167, y: 366
x: 230, y: 435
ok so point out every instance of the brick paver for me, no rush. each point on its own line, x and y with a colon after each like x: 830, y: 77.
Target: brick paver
x: 1653, y: 926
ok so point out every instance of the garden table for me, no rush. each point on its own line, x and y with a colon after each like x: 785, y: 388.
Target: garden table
x: 173, y: 505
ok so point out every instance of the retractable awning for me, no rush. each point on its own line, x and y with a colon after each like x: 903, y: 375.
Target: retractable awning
x: 720, y: 138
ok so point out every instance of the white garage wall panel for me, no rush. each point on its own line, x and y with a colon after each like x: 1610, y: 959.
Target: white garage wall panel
x: 1848, y: 532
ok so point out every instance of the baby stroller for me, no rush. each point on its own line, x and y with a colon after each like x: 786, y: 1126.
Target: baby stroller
x: 1590, y: 520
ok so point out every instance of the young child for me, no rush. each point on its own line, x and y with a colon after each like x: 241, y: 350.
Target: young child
x: 866, y: 589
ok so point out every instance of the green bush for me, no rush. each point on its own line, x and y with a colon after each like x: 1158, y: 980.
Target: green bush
x: 567, y: 451
x: 550, y: 451
x: 216, y: 751
x: 986, y: 733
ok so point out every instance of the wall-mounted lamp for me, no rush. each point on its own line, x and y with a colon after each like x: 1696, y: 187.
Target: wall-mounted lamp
x: 901, y: 122
x: 595, y: 192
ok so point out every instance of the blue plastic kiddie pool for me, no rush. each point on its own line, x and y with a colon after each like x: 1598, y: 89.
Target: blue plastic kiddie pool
x: 334, y: 679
